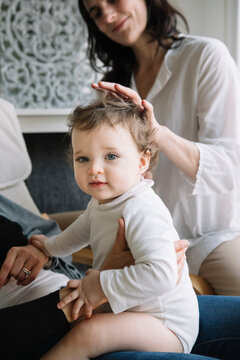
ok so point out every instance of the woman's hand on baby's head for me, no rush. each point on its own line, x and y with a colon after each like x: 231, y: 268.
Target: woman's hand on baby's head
x: 117, y: 90
x: 127, y: 93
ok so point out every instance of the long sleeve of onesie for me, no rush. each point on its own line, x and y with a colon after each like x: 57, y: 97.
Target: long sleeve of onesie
x: 74, y: 238
x: 150, y: 235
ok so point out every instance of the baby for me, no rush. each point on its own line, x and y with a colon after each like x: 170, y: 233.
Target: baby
x: 112, y: 149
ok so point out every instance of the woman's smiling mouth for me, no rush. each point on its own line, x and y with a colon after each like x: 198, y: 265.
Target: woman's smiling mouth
x: 119, y: 25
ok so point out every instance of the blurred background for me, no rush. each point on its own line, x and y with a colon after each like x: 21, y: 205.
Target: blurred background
x: 44, y: 72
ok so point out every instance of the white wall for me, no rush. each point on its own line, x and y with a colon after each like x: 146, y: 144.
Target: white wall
x: 214, y: 18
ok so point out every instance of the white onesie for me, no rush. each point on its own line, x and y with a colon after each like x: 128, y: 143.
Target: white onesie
x: 150, y: 285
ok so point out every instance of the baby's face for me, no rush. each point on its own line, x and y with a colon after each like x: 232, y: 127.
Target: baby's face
x: 107, y: 162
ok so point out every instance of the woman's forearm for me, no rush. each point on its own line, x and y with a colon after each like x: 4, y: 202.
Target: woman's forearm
x: 181, y: 152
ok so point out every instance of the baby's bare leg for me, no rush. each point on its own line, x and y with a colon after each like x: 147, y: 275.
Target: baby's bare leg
x: 108, y: 332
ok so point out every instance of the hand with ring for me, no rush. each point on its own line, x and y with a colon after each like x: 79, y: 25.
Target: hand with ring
x: 26, y: 272
x: 23, y: 263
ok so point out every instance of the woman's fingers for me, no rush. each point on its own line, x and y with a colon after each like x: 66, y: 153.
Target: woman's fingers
x: 181, y: 245
x: 7, y: 266
x: 17, y: 259
x: 120, y: 255
x: 129, y: 93
x: 180, y: 248
x: 120, y: 90
x: 24, y: 276
x: 120, y: 243
x: 34, y: 267
x: 148, y: 107
x: 180, y: 266
x: 124, y: 92
x: 150, y: 115
x: 181, y: 254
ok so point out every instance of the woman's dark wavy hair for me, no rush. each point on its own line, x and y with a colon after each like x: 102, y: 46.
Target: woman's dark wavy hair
x: 120, y: 60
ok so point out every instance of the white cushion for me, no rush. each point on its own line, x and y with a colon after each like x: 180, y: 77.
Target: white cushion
x: 15, y: 163
x: 19, y: 194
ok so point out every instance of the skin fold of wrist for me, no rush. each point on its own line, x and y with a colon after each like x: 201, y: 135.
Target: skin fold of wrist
x: 162, y: 137
x: 183, y: 153
x: 47, y: 262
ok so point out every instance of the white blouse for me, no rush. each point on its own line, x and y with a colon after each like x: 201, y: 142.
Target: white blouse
x: 197, y: 96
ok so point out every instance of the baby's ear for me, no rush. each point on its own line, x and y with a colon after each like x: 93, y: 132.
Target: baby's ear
x: 144, y: 161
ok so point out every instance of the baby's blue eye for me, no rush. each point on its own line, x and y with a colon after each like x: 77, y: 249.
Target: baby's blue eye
x: 111, y: 156
x: 82, y: 159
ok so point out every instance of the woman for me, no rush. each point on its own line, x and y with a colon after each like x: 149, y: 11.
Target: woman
x: 193, y: 85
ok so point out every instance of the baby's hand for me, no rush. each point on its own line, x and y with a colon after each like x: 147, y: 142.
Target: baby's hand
x: 87, y: 294
x: 80, y: 302
x: 38, y: 240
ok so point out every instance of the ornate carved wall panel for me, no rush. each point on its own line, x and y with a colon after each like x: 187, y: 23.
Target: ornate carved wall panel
x: 43, y: 61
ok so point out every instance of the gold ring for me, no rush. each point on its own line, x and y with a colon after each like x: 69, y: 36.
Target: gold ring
x: 26, y: 272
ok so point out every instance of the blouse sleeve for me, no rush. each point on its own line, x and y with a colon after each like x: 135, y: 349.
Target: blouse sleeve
x: 218, y: 111
x: 74, y: 238
x: 150, y: 235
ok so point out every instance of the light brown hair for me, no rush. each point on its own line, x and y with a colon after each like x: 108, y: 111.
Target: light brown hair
x: 113, y: 111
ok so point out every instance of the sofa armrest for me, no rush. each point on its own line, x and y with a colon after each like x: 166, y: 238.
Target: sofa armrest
x: 201, y: 286
x: 64, y: 219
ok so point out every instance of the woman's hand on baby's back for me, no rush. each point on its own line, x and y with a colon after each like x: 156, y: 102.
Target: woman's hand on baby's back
x: 181, y: 247
x: 120, y: 255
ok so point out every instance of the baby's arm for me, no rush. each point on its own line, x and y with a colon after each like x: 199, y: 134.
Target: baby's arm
x: 72, y: 239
